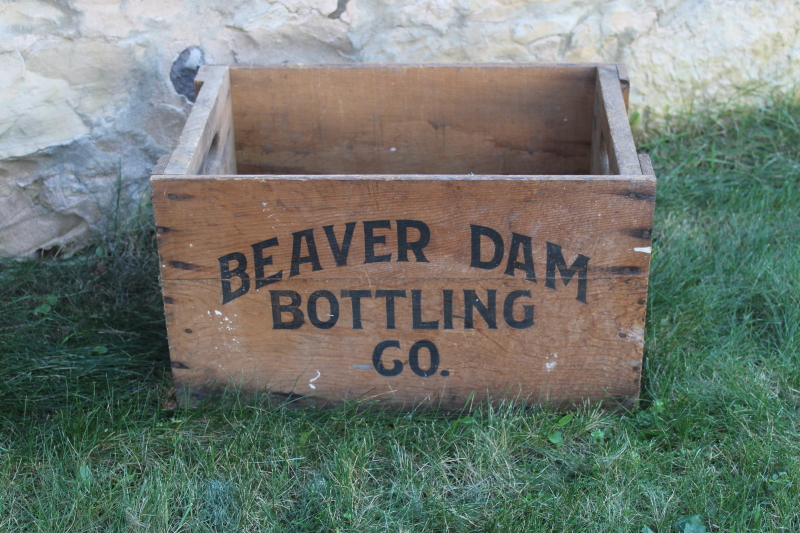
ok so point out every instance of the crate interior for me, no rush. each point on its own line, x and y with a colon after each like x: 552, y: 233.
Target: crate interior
x: 490, y: 120
x: 413, y: 120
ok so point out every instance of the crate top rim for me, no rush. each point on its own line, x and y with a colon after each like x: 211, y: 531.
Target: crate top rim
x: 622, y: 70
x: 411, y: 64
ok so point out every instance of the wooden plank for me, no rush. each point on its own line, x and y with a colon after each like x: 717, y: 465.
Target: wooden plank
x: 622, y: 149
x: 206, y: 145
x: 555, y: 360
x: 200, y: 78
x: 161, y: 165
x: 585, y: 340
x: 613, y: 149
x: 600, y: 164
x: 624, y: 83
x: 413, y: 119
x: 646, y: 164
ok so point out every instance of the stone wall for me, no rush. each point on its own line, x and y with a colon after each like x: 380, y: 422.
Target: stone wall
x: 88, y: 97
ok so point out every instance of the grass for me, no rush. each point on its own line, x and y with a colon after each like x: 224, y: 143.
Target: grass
x: 86, y: 444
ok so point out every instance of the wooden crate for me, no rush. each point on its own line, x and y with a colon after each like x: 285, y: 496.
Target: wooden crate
x: 411, y: 234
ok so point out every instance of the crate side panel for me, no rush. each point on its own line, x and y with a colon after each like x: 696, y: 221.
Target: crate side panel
x: 206, y: 145
x: 613, y: 148
x: 414, y: 120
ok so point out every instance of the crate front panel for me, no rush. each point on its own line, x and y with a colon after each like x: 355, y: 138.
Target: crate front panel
x: 407, y: 290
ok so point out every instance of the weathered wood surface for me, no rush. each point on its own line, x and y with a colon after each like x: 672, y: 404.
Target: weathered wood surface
x: 624, y: 83
x: 160, y: 165
x: 414, y: 119
x: 585, y: 340
x: 646, y: 164
x: 200, y: 78
x: 206, y: 145
x: 613, y: 149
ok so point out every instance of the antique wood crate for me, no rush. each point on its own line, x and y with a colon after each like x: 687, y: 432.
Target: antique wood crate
x: 410, y: 234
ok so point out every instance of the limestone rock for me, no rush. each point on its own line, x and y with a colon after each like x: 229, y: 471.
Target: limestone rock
x: 36, y: 111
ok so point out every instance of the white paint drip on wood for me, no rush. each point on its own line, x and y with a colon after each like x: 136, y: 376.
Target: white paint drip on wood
x: 645, y: 250
x: 312, y: 380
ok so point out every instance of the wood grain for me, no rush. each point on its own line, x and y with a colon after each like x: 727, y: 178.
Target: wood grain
x: 413, y: 119
x: 624, y: 83
x: 647, y: 165
x: 200, y: 78
x: 597, y: 344
x: 206, y: 145
x: 613, y: 150
x: 613, y: 116
x: 571, y: 353
x: 160, y: 165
